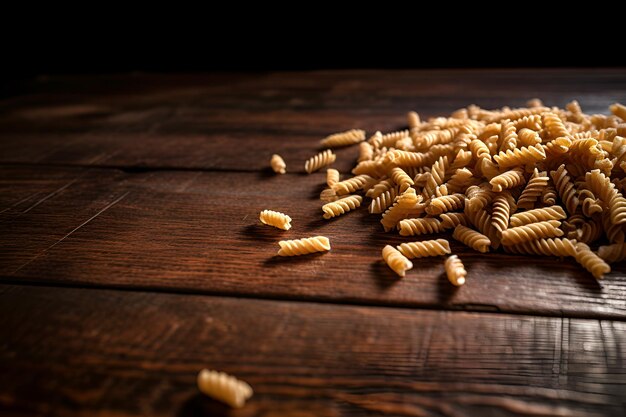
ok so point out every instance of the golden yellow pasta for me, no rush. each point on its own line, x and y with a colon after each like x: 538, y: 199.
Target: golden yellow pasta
x: 591, y: 262
x: 419, y: 226
x: 452, y: 220
x: 507, y: 180
x: 532, y: 231
x: 353, y: 184
x: 332, y: 177
x: 425, y: 248
x: 619, y: 110
x: 278, y: 164
x: 533, y: 190
x: 520, y: 156
x: 383, y: 201
x: 446, y: 203
x: 223, y: 387
x: 413, y: 120
x: 455, y: 270
x: 401, y: 178
x: 350, y: 137
x: 276, y: 219
x: 303, y: 246
x: 565, y: 188
x: 366, y: 152
x: 613, y: 253
x: 327, y: 195
x: 472, y: 238
x: 545, y: 247
x: 537, y: 215
x: 501, y: 211
x: 319, y: 161
x: 396, y: 260
x: 341, y: 206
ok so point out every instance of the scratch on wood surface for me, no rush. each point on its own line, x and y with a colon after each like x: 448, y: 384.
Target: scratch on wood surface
x: 603, y: 339
x: 108, y: 206
x: 19, y: 202
x: 245, y: 217
x: 52, y: 194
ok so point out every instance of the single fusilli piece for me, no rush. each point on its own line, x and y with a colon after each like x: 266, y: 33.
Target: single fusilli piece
x: 380, y: 187
x: 501, y: 211
x: 352, y: 184
x: 332, y: 177
x: 602, y: 186
x: 548, y: 196
x: 565, y: 188
x: 508, y: 137
x: 276, y: 219
x: 619, y: 110
x: 532, y: 231
x: 613, y: 253
x: 327, y: 195
x: 547, y: 247
x: 223, y: 387
x: 520, y: 156
x: 533, y: 190
x: 339, y: 207
x: 278, y: 164
x: 420, y: 226
x: 413, y: 119
x: 446, y: 203
x: 554, y: 125
x: 303, y: 246
x: 396, y: 260
x: 537, y: 215
x: 591, y: 262
x: 478, y: 197
x: 319, y: 161
x: 425, y: 248
x: 509, y: 179
x: 455, y: 270
x: 532, y: 123
x: 349, y: 137
x: 472, y: 238
x: 366, y: 152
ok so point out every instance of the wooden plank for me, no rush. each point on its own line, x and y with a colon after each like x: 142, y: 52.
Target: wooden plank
x: 77, y: 352
x: 237, y: 121
x: 199, y: 232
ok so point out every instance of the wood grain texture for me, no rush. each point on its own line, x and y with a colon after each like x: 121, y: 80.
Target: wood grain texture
x: 237, y: 121
x: 199, y: 232
x: 78, y: 352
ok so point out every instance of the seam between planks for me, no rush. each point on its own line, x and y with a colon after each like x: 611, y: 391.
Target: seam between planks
x: 6, y: 280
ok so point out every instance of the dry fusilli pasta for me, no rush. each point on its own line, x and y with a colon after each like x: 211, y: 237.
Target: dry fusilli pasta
x: 303, y: 246
x: 224, y: 387
x: 276, y: 219
x: 396, y: 260
x: 319, y: 161
x: 455, y: 270
x: 425, y: 248
x: 339, y: 207
x: 278, y: 164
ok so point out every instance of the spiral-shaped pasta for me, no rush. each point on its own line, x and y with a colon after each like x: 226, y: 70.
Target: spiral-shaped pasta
x: 452, y: 220
x: 461, y: 159
x: 420, y: 226
x: 619, y: 110
x: 352, y: 184
x: 224, y: 387
x: 508, y: 137
x: 349, y: 137
x: 413, y: 119
x: 501, y: 211
x: 372, y: 168
x: 339, y: 207
x: 516, y: 114
x: 455, y: 270
x: 602, y: 186
x: 532, y: 123
x: 478, y: 197
x: 589, y: 203
x: 460, y: 181
x: 319, y: 161
x: 401, y: 178
x: 389, y: 139
x: 436, y: 177
x: 446, y: 203
x: 548, y: 196
x: 556, y: 147
x: 565, y: 188
x: 591, y: 262
x: 332, y: 177
x: 395, y: 213
x: 532, y: 231
x: 383, y: 201
x: 278, y: 164
x: 507, y: 180
x: 614, y: 232
x: 537, y: 215
x: 472, y: 238
x: 407, y: 158
x: 546, y: 247
x: 396, y: 260
x: 554, y: 126
x: 425, y: 248
x: 366, y: 152
x: 520, y: 156
x: 613, y: 253
x: 533, y: 190
x: 380, y: 187
x: 527, y: 137
x: 303, y: 246
x: 276, y: 219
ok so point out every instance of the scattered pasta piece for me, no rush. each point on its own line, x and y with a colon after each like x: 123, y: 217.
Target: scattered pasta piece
x: 276, y: 219
x: 339, y: 207
x: 591, y: 262
x: 332, y: 177
x: 425, y: 248
x: 396, y: 260
x: 278, y: 164
x: 304, y: 246
x: 319, y: 161
x: 224, y: 388
x: 350, y: 137
x: 455, y: 270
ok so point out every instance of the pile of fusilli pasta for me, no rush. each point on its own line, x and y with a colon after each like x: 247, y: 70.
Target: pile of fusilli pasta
x: 537, y: 180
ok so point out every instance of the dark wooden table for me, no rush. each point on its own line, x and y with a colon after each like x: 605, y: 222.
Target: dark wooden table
x: 131, y: 257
